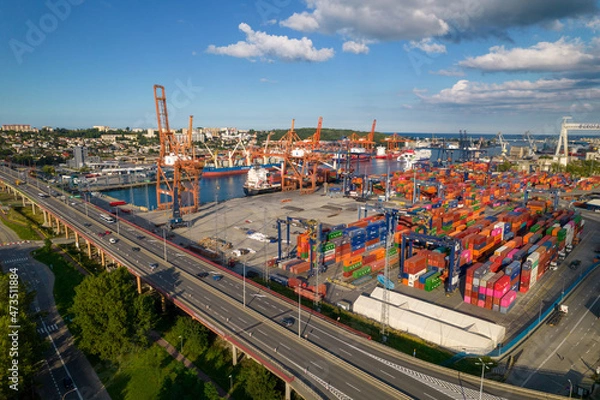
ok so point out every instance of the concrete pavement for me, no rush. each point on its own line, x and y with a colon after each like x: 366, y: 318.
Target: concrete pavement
x: 63, y: 359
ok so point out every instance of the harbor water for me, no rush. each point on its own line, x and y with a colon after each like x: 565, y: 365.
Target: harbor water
x: 230, y: 187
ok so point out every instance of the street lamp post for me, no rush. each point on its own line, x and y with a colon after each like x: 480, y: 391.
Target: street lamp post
x: 244, y: 277
x: 230, y: 383
x: 570, y: 387
x: 118, y: 225
x: 165, y: 244
x: 484, y: 365
x: 181, y: 343
x: 299, y: 323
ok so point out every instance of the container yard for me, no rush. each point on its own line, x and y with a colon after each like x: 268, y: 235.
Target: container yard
x: 483, y: 244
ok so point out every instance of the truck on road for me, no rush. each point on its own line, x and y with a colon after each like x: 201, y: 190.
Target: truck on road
x: 559, y: 312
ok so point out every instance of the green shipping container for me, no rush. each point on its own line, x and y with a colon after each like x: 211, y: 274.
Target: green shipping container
x: 328, y: 246
x: 534, y: 228
x: 335, y: 234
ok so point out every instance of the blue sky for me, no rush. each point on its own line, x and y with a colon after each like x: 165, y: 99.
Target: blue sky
x: 499, y: 65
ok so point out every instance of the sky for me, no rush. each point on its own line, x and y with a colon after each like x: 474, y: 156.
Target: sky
x: 434, y: 66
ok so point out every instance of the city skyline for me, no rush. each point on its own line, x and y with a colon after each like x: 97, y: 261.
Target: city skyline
x: 499, y: 66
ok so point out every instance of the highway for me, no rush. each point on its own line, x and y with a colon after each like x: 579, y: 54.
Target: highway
x: 332, y: 361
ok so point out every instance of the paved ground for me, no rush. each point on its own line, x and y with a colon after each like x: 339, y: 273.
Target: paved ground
x: 231, y: 219
x: 63, y: 359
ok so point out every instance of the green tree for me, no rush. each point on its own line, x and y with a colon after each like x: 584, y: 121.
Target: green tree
x: 210, y: 392
x: 48, y: 169
x: 21, y: 345
x: 112, y: 317
x: 193, y: 334
x: 505, y: 166
x: 258, y: 382
x: 183, y: 384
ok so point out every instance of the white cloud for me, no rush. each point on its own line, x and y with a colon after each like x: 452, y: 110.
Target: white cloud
x: 448, y: 72
x: 266, y: 80
x: 355, y: 47
x: 594, y: 24
x: 427, y: 45
x: 303, y: 22
x: 390, y: 20
x: 543, y: 95
x: 561, y: 55
x: 262, y: 45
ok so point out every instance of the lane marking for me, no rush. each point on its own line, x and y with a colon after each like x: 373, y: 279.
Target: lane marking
x: 387, y: 373
x: 353, y: 387
x: 561, y: 343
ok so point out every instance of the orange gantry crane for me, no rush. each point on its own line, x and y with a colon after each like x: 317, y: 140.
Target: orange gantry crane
x: 182, y: 193
x: 392, y: 142
x: 365, y: 142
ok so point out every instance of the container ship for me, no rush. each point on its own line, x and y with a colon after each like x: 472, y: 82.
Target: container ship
x: 262, y: 180
x: 211, y: 171
x: 409, y: 158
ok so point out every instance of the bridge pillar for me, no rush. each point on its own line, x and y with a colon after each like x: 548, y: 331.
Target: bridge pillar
x: 23, y: 200
x: 288, y: 391
x: 102, y: 258
x: 76, y: 240
x: 89, y: 248
x: 66, y: 232
x: 57, y: 225
x: 33, y: 207
x: 139, y: 284
x: 234, y: 354
x: 163, y: 304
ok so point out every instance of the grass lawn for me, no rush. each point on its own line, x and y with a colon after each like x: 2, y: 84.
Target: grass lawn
x: 151, y: 374
x: 66, y: 278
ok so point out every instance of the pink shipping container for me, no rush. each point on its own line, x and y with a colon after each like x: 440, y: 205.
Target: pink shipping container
x: 481, y: 303
x: 467, y: 299
x: 502, y: 286
x: 512, y: 253
x: 508, y: 299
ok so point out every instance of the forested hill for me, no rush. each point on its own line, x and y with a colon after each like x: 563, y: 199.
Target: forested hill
x: 327, y: 134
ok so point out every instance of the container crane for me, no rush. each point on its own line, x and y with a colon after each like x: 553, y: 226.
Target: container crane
x: 180, y: 158
x: 503, y: 143
x: 531, y: 142
x: 366, y: 142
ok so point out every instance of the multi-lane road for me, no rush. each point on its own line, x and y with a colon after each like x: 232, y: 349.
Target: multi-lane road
x: 330, y: 360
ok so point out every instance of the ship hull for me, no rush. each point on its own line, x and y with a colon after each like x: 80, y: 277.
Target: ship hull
x: 211, y: 172
x: 255, y: 191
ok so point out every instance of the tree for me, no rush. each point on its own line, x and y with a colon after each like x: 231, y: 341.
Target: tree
x: 22, y: 347
x: 211, y: 392
x: 505, y: 166
x: 184, y: 385
x: 110, y: 314
x: 259, y: 383
x: 193, y: 334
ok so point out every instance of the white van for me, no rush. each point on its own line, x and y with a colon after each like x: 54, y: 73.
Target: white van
x: 113, y: 240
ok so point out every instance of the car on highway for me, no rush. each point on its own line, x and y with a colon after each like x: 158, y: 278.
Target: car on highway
x: 597, y: 251
x: 202, y: 274
x: 107, y: 232
x: 113, y: 240
x: 153, y: 266
x: 217, y: 277
x: 87, y: 224
x: 287, y: 321
x: 140, y: 237
x: 101, y: 234
x: 575, y: 264
x: 135, y: 249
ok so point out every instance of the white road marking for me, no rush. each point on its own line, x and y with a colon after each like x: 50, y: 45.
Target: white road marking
x: 430, y: 396
x: 316, y: 365
x: 387, y: 373
x: 561, y: 343
x: 242, y: 320
x: 353, y: 387
x: 344, y: 351
x: 283, y: 345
